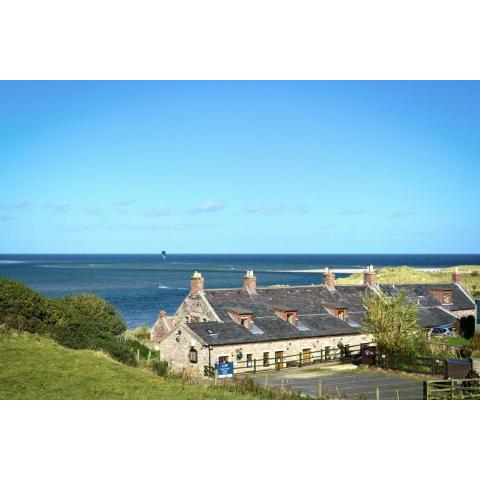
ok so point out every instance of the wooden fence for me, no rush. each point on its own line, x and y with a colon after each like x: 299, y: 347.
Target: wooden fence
x: 346, y: 353
x: 452, y: 389
x: 411, y: 363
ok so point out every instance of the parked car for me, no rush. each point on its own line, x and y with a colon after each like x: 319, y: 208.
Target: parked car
x: 443, y: 331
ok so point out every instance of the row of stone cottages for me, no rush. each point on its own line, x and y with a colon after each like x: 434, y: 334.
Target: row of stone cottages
x: 271, y: 323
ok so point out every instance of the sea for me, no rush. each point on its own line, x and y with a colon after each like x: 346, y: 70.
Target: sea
x: 139, y: 286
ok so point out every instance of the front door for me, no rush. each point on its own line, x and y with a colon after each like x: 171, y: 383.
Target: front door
x: 279, y: 360
x: 307, y: 356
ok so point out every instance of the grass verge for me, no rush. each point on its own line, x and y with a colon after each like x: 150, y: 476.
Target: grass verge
x: 35, y: 367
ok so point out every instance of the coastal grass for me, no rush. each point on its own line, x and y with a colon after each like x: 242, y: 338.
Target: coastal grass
x: 35, y: 367
x: 404, y: 274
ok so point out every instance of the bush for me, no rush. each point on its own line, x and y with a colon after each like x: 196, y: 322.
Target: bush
x: 392, y: 321
x: 22, y: 307
x: 77, y: 321
x: 475, y: 342
x: 161, y: 367
x: 142, y: 333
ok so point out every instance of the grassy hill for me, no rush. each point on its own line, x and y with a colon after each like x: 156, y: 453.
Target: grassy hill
x: 35, y: 367
x: 470, y: 278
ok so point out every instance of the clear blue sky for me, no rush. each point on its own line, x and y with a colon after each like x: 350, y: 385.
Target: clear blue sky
x: 239, y: 167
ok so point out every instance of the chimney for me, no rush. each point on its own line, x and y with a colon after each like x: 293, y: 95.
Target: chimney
x: 329, y: 278
x: 196, y: 283
x: 250, y: 282
x: 370, y: 276
x: 456, y: 276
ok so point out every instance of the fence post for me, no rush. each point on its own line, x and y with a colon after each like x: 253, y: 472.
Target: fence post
x: 254, y: 365
x: 300, y: 359
x: 148, y: 359
x: 266, y: 380
x: 426, y: 391
x: 451, y: 388
x: 378, y: 393
x: 319, y: 389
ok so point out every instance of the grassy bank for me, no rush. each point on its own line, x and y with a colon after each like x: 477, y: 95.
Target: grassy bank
x: 470, y: 277
x: 35, y: 367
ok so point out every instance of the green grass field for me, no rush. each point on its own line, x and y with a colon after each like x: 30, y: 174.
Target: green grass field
x: 34, y: 367
x: 470, y: 277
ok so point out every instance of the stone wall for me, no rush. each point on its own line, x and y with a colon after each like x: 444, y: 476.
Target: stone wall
x: 175, y: 349
x: 463, y: 313
x: 195, y: 308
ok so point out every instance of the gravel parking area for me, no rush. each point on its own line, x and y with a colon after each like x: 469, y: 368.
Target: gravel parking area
x: 346, y: 382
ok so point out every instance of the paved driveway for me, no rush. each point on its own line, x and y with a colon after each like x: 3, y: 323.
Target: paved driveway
x: 346, y: 382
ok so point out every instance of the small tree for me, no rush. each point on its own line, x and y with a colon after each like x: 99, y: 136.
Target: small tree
x: 393, y: 323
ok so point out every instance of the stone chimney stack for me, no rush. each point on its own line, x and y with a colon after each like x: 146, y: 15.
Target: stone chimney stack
x: 196, y: 283
x: 329, y: 278
x: 250, y: 282
x: 456, y: 276
x: 370, y: 276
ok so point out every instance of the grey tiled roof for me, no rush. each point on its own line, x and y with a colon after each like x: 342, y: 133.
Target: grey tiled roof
x: 310, y: 302
x: 460, y: 301
x: 433, y: 317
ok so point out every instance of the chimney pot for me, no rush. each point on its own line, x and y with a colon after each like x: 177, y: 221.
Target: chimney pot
x: 456, y: 276
x: 250, y: 282
x: 329, y: 278
x: 196, y: 283
x: 370, y: 276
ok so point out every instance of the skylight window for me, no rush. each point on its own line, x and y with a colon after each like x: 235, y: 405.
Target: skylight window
x: 256, y: 331
x: 301, y: 326
x: 210, y: 331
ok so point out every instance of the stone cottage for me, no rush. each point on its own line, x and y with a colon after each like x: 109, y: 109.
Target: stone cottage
x: 267, y: 325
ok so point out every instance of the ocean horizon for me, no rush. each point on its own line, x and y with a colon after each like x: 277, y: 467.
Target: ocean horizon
x: 140, y: 285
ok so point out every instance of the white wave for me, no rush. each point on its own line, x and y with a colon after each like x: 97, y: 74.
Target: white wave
x: 8, y: 262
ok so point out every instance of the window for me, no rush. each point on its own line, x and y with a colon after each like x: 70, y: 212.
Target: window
x: 193, y: 355
x: 244, y: 321
x: 266, y: 360
x: 446, y: 297
x: 249, y: 360
x: 223, y: 359
x: 342, y: 313
x: 290, y: 318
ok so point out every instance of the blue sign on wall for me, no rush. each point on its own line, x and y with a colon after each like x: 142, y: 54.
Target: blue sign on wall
x: 224, y: 370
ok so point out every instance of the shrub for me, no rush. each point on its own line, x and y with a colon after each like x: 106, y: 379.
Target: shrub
x: 161, y: 367
x: 475, y: 342
x: 18, y: 302
x: 77, y: 321
x: 393, y: 323
x: 142, y: 333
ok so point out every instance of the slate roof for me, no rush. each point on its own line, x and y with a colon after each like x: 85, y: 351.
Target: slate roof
x: 311, y: 304
x: 460, y: 301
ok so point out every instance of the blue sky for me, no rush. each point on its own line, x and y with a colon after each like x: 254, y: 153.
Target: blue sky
x: 239, y: 167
